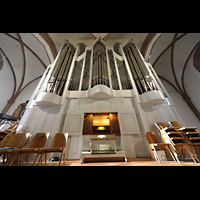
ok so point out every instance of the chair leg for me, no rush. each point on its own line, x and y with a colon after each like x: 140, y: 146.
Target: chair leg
x: 156, y: 154
x: 21, y: 159
x: 183, y: 151
x: 11, y: 159
x: 35, y: 159
x: 64, y: 159
x: 18, y: 159
x: 196, y: 151
x: 190, y: 153
x: 174, y: 153
x: 193, y: 153
x: 4, y: 157
x: 39, y: 159
x: 180, y: 152
x: 45, y: 159
x: 61, y: 158
x: 27, y: 158
x: 150, y: 152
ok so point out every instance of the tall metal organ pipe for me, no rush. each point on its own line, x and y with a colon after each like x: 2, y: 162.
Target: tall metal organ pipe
x: 59, y: 75
x: 96, y: 73
x: 140, y: 74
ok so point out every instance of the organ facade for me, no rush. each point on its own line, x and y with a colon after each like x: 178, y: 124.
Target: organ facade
x: 99, y: 90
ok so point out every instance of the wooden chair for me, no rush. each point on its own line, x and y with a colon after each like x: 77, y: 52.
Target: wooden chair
x: 11, y: 129
x: 8, y: 134
x: 176, y: 138
x: 175, y: 124
x: 38, y: 141
x: 161, y: 126
x: 5, y: 139
x: 1, y: 126
x: 154, y: 143
x: 57, y: 145
x: 190, y: 134
x: 17, y: 141
x: 172, y: 135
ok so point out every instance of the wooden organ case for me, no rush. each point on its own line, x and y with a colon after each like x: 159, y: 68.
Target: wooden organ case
x: 101, y: 123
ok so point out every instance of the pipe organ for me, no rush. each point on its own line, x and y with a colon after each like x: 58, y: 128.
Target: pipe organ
x: 99, y: 82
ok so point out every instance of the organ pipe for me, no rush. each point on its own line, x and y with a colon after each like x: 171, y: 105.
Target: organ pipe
x: 101, y: 66
x: 140, y: 74
x: 61, y: 69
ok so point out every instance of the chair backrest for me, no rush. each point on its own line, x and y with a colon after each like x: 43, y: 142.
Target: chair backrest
x: 59, y: 140
x: 12, y: 128
x: 175, y: 124
x: 1, y: 126
x: 18, y: 140
x: 6, y: 139
x: 160, y: 125
x: 151, y: 137
x: 38, y: 140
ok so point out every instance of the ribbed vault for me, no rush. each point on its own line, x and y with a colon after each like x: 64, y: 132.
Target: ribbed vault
x: 173, y: 55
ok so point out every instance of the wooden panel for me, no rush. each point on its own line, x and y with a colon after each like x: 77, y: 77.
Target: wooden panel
x: 87, y: 129
x: 114, y: 124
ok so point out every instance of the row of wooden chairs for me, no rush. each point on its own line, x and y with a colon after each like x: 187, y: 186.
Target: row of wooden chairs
x: 190, y: 134
x: 181, y: 138
x: 15, y: 147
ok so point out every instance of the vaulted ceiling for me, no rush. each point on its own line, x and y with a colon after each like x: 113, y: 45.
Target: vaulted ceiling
x: 25, y: 56
x: 88, y: 38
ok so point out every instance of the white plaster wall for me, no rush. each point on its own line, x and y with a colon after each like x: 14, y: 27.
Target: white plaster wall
x: 7, y: 85
x: 185, y: 112
x: 182, y: 49
x: 34, y: 68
